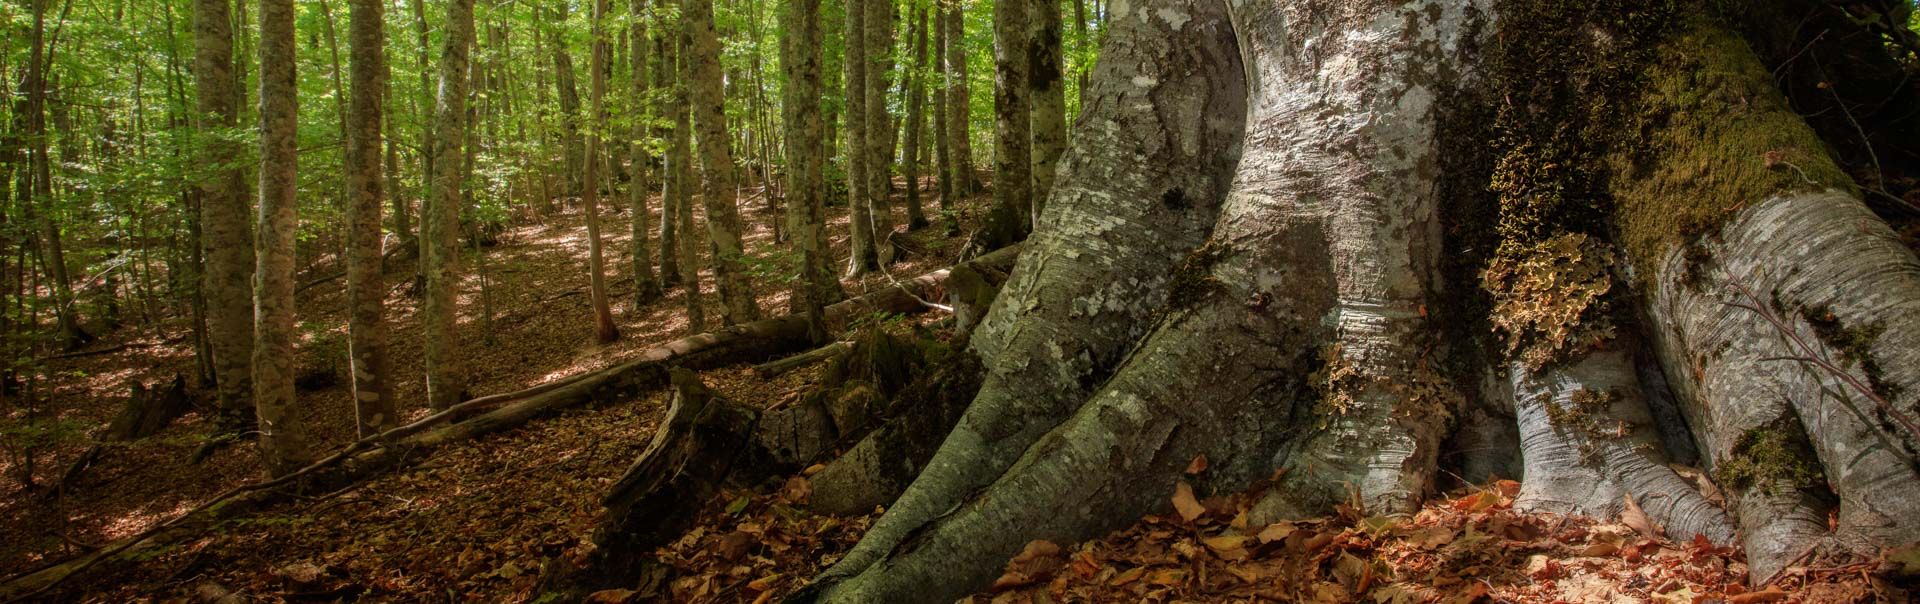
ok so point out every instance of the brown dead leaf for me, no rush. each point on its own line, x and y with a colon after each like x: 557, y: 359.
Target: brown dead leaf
x: 1199, y: 464
x: 1036, y: 562
x: 1632, y: 516
x: 1275, y: 532
x: 1131, y: 575
x: 610, y: 596
x: 1184, y: 502
x: 1770, y: 594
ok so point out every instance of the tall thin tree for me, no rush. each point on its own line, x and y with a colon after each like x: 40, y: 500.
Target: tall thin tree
x: 863, y: 257
x: 282, y: 439
x: 646, y: 288
x: 738, y: 303
x: 604, y: 330
x: 1049, y: 96
x: 801, y: 59
x: 225, y: 228
x: 366, y: 289
x: 446, y: 381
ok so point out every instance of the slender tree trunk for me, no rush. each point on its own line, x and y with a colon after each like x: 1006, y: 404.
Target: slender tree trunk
x: 960, y: 104
x: 283, y: 443
x: 646, y: 287
x: 801, y: 57
x: 226, y: 229
x: 1049, y: 93
x: 39, y: 213
x: 366, y: 289
x: 446, y: 381
x: 569, y: 95
x: 604, y: 330
x: 916, y: 120
x: 864, y: 257
x: 739, y: 305
x: 665, y: 74
x: 680, y: 164
x: 942, y: 145
x: 424, y: 100
x: 1013, y: 128
x: 879, y: 126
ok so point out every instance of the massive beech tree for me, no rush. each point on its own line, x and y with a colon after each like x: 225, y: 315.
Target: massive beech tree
x: 1245, y: 258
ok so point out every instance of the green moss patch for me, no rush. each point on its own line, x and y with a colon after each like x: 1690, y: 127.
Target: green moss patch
x: 1775, y: 456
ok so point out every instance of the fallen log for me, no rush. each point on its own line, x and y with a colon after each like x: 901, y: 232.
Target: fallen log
x: 776, y: 367
x: 411, y: 442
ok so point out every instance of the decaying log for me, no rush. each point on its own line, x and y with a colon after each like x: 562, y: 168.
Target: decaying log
x: 148, y: 409
x: 878, y: 468
x: 970, y: 291
x: 777, y: 367
x: 690, y: 458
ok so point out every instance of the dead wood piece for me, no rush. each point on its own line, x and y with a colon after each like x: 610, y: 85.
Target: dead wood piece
x: 149, y: 409
x: 781, y: 366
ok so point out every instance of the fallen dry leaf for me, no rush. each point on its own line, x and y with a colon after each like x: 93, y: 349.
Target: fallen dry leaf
x: 1184, y: 503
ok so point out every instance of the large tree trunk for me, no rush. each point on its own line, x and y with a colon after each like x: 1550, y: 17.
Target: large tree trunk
x: 738, y: 303
x: 1012, y: 214
x: 446, y: 382
x: 366, y: 288
x: 1754, y: 270
x: 1138, y: 193
x: 226, y: 228
x: 1294, y: 338
x: 282, y: 439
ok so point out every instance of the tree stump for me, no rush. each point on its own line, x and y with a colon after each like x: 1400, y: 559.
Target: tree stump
x: 149, y: 409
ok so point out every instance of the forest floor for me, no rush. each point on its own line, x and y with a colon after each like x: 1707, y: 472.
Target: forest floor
x: 477, y: 521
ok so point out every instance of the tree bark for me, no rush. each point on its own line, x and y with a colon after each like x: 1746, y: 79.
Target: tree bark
x: 864, y: 256
x: 1783, y: 233
x: 1012, y: 215
x: 646, y: 287
x: 801, y: 57
x: 738, y: 303
x: 1049, y: 94
x: 916, y: 120
x: 665, y: 73
x: 1140, y: 190
x: 942, y: 145
x: 226, y: 228
x: 959, y: 104
x: 604, y: 331
x: 879, y: 127
x: 283, y: 445
x: 680, y: 162
x: 446, y: 380
x: 366, y: 289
